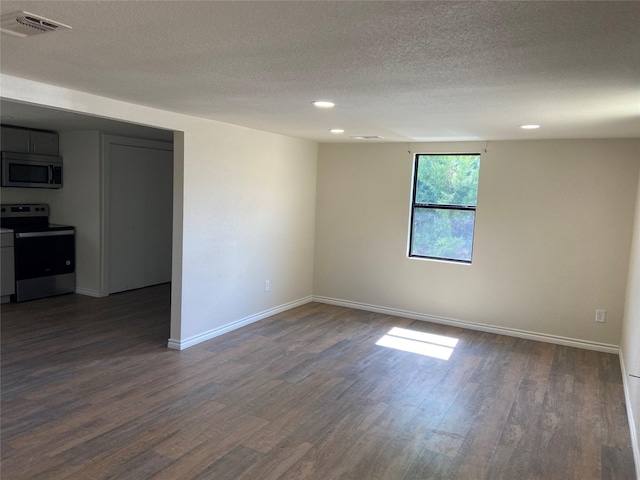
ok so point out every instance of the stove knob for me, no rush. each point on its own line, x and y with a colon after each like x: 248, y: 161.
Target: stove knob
x: 68, y: 262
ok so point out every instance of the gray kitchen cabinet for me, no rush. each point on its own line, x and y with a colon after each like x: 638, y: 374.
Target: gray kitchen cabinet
x: 7, y: 265
x: 15, y: 140
x: 22, y: 140
x: 44, y: 143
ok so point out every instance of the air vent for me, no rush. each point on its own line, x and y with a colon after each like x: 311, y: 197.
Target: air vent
x: 25, y: 24
x: 367, y: 137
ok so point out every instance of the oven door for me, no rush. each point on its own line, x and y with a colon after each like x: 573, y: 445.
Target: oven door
x: 44, y: 264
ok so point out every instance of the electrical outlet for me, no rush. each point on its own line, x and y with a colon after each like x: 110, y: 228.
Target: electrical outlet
x: 601, y: 316
x: 267, y: 285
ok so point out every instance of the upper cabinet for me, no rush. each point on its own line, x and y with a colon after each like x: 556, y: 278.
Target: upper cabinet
x: 22, y: 140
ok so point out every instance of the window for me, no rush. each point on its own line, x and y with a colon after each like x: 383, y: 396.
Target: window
x: 443, y: 209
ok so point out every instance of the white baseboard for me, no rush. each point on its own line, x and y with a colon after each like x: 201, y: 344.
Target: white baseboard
x: 203, y: 337
x: 512, y: 332
x: 90, y: 293
x: 635, y: 441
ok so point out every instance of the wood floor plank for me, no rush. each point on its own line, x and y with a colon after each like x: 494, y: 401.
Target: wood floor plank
x: 616, y: 464
x: 193, y: 425
x: 290, y: 419
x: 90, y: 391
x: 515, y: 451
x: 480, y: 444
x: 208, y: 447
x: 230, y: 466
x: 273, y: 467
x: 385, y: 451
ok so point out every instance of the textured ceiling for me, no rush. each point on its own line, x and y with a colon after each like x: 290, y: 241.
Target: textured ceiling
x: 406, y: 71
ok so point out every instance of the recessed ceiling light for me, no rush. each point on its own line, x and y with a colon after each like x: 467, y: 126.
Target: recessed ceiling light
x: 336, y: 130
x: 324, y: 104
x: 529, y: 127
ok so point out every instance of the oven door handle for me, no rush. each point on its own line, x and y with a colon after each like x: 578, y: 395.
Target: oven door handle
x: 56, y: 233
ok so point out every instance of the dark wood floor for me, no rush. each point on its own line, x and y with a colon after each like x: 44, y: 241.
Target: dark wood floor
x: 89, y: 391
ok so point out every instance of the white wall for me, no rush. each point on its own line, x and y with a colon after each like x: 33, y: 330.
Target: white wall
x: 552, y: 236
x: 78, y: 204
x: 249, y: 206
x: 630, y: 342
x: 244, y: 213
x: 26, y: 195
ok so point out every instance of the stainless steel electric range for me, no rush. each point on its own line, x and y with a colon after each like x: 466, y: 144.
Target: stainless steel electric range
x: 45, y: 259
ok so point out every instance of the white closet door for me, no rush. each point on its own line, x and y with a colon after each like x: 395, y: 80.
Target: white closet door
x: 140, y: 217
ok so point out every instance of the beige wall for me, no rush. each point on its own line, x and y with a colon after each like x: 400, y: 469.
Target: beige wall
x: 249, y: 216
x: 552, y: 239
x: 244, y: 210
x: 552, y: 235
x: 630, y: 342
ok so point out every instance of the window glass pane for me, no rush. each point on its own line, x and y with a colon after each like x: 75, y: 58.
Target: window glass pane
x: 446, y: 234
x: 447, y: 179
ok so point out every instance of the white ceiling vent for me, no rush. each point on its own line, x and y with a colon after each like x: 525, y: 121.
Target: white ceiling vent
x: 25, y: 24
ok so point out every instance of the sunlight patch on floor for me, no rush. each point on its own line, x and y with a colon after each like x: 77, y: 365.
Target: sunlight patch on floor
x: 422, y: 343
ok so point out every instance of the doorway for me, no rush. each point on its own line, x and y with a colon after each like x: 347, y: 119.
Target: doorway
x: 138, y: 201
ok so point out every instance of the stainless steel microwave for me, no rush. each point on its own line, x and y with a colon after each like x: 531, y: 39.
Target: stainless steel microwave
x: 33, y: 171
